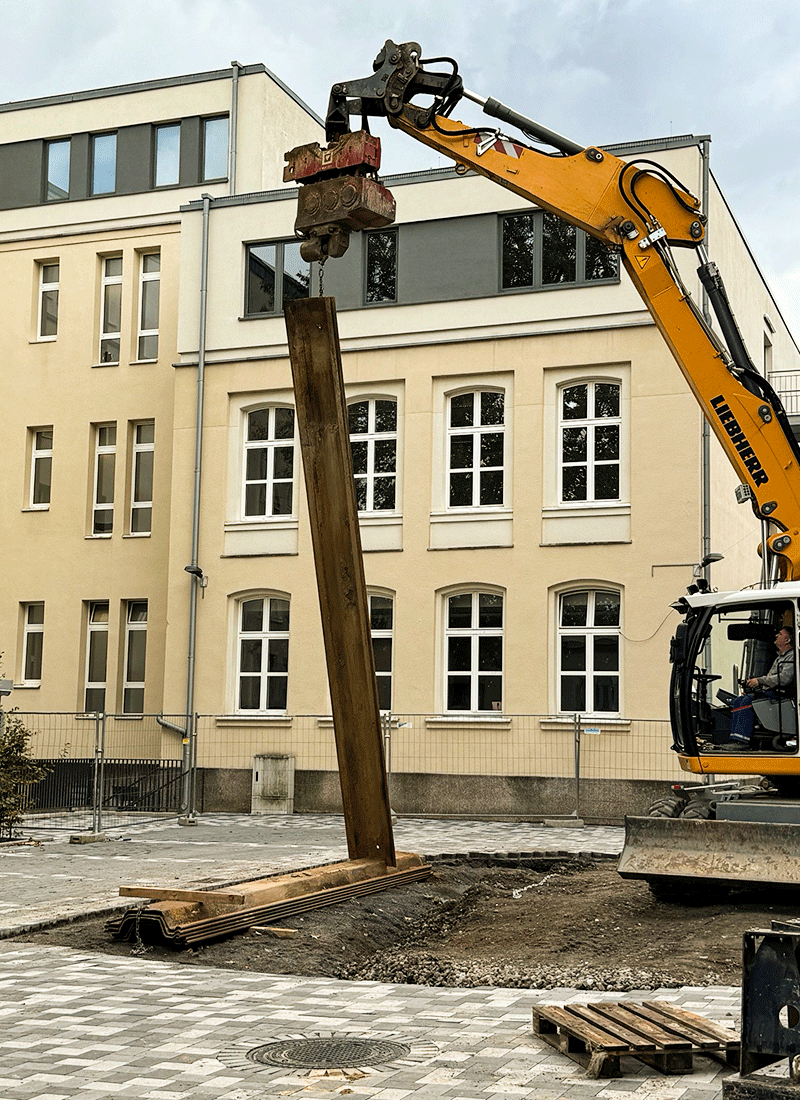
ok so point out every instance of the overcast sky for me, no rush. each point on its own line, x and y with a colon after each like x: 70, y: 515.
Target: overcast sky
x: 598, y: 71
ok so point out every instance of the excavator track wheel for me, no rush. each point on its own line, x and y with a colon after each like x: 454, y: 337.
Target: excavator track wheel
x: 669, y: 806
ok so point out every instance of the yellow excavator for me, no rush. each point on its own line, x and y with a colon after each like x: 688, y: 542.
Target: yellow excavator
x: 741, y: 830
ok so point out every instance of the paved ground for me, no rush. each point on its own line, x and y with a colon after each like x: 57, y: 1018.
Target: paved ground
x: 83, y: 1025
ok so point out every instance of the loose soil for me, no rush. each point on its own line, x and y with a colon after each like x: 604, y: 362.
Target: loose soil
x: 557, y: 923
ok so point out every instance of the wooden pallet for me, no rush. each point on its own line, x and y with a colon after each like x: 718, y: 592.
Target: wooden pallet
x: 657, y: 1033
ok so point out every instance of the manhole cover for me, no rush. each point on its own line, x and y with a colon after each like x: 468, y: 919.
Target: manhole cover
x: 328, y: 1053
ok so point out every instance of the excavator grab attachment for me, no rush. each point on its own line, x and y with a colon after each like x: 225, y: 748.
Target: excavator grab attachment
x: 681, y: 854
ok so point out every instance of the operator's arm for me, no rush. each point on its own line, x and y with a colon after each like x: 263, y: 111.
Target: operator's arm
x: 780, y: 675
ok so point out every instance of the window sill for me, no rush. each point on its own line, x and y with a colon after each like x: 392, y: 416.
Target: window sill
x: 139, y: 362
x: 496, y: 718
x: 257, y: 717
x: 37, y: 508
x: 137, y: 535
x: 561, y: 723
x: 43, y: 340
x: 98, y: 538
x: 33, y: 685
x: 97, y: 366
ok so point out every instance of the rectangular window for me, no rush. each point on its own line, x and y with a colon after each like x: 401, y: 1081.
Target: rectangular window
x: 381, y: 266
x: 589, y: 666
x: 215, y: 148
x: 33, y: 640
x: 476, y: 446
x: 540, y: 251
x: 96, y: 657
x: 104, y: 164
x: 373, y: 448
x: 263, y: 654
x: 142, y: 478
x: 590, y: 442
x: 111, y: 310
x: 275, y: 273
x: 269, y: 463
x: 149, y: 295
x: 167, y: 155
x: 381, y: 621
x: 48, y: 300
x: 474, y: 651
x: 105, y: 458
x: 135, y: 657
x: 57, y: 170
x: 41, y: 466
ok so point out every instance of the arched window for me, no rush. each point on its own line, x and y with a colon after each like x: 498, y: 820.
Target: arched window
x: 373, y: 446
x: 474, y: 651
x: 589, y: 442
x: 381, y: 622
x: 476, y: 449
x: 268, y: 481
x: 262, y: 664
x: 589, y: 651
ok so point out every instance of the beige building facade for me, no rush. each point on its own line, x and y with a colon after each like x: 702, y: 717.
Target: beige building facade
x: 528, y: 460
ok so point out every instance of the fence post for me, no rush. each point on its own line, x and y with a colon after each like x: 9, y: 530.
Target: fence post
x: 576, y: 720
x: 97, y: 794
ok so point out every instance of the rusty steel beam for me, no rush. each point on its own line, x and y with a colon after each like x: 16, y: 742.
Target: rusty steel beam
x: 324, y: 440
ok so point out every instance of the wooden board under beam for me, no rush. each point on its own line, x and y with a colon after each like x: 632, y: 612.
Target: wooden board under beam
x: 325, y: 444
x: 166, y: 893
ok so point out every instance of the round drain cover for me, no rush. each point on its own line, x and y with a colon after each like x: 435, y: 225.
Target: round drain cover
x: 330, y: 1053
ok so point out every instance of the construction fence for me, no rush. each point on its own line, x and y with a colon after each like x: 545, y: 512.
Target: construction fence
x: 108, y: 771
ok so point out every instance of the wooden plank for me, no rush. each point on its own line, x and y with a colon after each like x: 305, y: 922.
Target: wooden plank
x: 325, y: 444
x: 668, y: 1021
x: 604, y: 1015
x: 570, y: 1020
x: 166, y: 893
x: 649, y: 1034
x: 710, y: 1028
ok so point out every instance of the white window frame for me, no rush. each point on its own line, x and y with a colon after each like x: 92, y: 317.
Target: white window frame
x: 134, y: 627
x: 591, y: 424
x: 139, y: 449
x: 52, y: 193
x: 40, y: 454
x: 204, y: 164
x: 108, y: 335
x: 373, y: 438
x: 32, y: 634
x: 476, y: 431
x: 270, y: 445
x: 103, y: 450
x: 47, y: 286
x: 96, y: 627
x: 384, y: 677
x: 146, y: 279
x: 265, y: 676
x: 474, y: 633
x: 589, y: 632
x: 283, y: 255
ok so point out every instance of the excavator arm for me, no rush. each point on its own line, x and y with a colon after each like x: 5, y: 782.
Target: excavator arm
x: 636, y: 208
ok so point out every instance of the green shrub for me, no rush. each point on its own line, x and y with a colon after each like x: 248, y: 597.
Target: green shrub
x: 18, y: 771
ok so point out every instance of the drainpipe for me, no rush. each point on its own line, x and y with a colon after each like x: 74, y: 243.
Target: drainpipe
x: 197, y: 577
x: 235, y: 66
x: 706, y: 451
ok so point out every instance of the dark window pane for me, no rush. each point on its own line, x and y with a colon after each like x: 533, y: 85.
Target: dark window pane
x: 574, y: 479
x: 573, y: 652
x: 296, y: 273
x: 491, y: 488
x: 258, y: 425
x: 574, y: 402
x: 490, y: 691
x: 460, y: 490
x: 249, y: 692
x: 278, y: 655
x: 359, y: 453
x: 252, y: 616
x: 282, y: 499
x: 606, y: 609
x: 601, y: 262
x: 385, y: 416
x: 141, y: 521
x: 573, y: 445
x: 35, y: 616
x: 458, y: 688
x: 574, y: 609
x: 492, y: 408
x: 606, y: 693
x: 385, y: 456
x: 256, y: 464
x: 358, y: 417
x: 606, y: 654
x: 558, y: 251
x: 133, y: 700
x: 278, y: 614
x: 606, y: 399
x: 49, y: 324
x: 490, y: 654
x: 98, y: 651
x: 276, y: 692
x: 459, y: 654
x: 360, y: 486
x: 33, y: 656
x: 250, y: 655
x: 284, y: 423
x: 492, y: 449
x: 518, y: 251
x: 137, y: 647
x: 606, y: 442
x: 606, y: 483
x: 382, y: 652
x: 490, y: 610
x: 261, y: 279
x: 255, y: 500
x: 384, y: 494
x: 381, y: 611
x: 573, y: 693
x: 462, y: 411
x: 283, y: 462
x: 95, y: 699
x: 461, y: 450
x: 385, y: 692
x: 459, y: 612
x: 382, y: 266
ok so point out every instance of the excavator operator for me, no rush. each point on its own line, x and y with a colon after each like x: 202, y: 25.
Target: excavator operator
x: 780, y: 675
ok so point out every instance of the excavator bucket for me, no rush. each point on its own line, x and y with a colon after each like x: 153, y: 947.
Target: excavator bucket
x: 666, y: 851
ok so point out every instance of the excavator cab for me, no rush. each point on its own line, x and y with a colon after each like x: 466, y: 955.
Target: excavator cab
x: 723, y: 642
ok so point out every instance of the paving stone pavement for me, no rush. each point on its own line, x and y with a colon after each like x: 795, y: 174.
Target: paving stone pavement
x: 78, y: 1024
